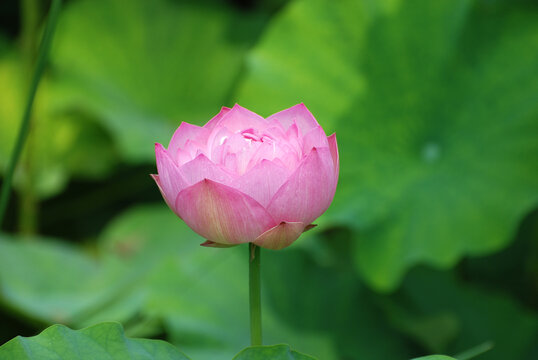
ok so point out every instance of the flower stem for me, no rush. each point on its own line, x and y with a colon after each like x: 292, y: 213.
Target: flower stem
x: 25, y: 124
x: 255, y: 295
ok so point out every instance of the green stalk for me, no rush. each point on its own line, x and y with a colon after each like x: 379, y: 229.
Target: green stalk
x: 28, y: 207
x: 30, y: 10
x: 25, y: 124
x: 255, y: 295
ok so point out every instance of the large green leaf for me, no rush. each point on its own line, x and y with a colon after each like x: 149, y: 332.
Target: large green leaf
x: 45, y: 279
x: 328, y: 298
x: 152, y: 275
x: 275, y: 352
x: 145, y: 66
x: 435, y: 357
x: 200, y: 294
x: 435, y: 104
x: 482, y: 316
x: 105, y: 341
x: 63, y: 142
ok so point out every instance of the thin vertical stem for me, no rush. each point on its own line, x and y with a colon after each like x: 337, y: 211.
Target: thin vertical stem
x: 255, y: 295
x: 28, y: 202
x: 25, y: 124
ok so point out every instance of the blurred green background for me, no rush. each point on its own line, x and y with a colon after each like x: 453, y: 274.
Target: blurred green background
x: 431, y: 243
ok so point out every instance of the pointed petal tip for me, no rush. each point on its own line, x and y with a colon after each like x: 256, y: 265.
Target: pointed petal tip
x: 280, y: 236
x: 244, y: 110
x: 211, y: 244
x: 159, y: 147
x: 208, y: 243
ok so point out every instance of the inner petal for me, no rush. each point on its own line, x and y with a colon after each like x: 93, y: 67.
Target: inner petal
x: 249, y: 146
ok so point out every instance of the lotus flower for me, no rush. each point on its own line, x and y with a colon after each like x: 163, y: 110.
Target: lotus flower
x: 242, y: 178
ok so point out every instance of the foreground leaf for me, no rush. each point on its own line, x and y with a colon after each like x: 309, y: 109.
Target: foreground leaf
x: 274, y: 352
x: 105, y: 341
x: 435, y: 106
x: 435, y: 357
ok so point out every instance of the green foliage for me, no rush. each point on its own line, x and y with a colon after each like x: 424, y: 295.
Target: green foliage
x: 145, y: 66
x: 434, y: 104
x: 435, y: 107
x: 275, y: 352
x: 103, y: 341
x: 32, y: 281
x: 435, y: 357
x: 63, y: 142
x: 477, y: 313
x: 151, y: 274
x: 330, y: 300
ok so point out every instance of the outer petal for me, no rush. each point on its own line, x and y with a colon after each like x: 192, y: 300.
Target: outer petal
x: 222, y: 214
x: 185, y: 132
x: 298, y: 113
x: 262, y: 181
x: 308, y: 192
x: 215, y: 120
x: 209, y: 243
x: 158, y: 182
x: 170, y: 180
x: 280, y: 236
x: 202, y: 168
x: 333, y: 147
x: 239, y: 118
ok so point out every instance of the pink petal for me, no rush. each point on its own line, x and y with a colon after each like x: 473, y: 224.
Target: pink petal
x: 333, y: 147
x: 309, y: 190
x: 230, y: 162
x: 170, y: 180
x: 222, y: 214
x: 209, y: 243
x: 216, y: 144
x: 185, y: 132
x: 280, y: 236
x: 261, y: 151
x: 202, y: 168
x: 298, y: 113
x: 239, y: 118
x: 293, y: 136
x: 215, y: 120
x: 158, y: 182
x: 188, y: 152
x: 275, y: 129
x: 315, y: 138
x: 262, y: 181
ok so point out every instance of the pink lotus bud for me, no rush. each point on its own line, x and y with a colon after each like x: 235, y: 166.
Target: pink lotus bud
x: 242, y: 178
